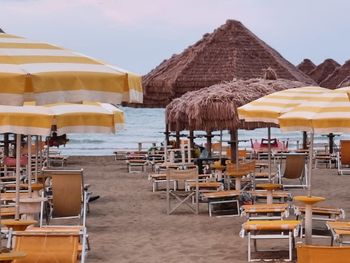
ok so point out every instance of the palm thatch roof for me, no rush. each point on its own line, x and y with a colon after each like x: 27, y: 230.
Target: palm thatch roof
x: 231, y: 51
x: 337, y: 77
x: 215, y: 107
x: 306, y: 66
x: 323, y: 70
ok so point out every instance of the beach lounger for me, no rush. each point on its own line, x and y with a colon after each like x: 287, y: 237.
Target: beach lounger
x: 265, y: 211
x: 46, y: 247
x: 223, y: 197
x: 295, y: 170
x: 343, y: 157
x: 270, y: 229
x: 69, y: 198
x: 322, y: 254
x: 182, y: 197
x: 282, y: 196
x: 340, y: 231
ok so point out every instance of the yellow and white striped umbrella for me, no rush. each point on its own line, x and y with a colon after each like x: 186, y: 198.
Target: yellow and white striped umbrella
x: 46, y: 73
x: 86, y: 118
x: 328, y: 113
x: 26, y: 120
x: 270, y: 107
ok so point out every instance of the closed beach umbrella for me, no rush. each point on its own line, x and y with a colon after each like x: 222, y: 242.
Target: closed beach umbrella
x: 46, y: 73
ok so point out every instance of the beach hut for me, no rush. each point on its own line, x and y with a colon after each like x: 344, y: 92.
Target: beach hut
x: 337, y: 77
x: 306, y: 66
x: 323, y: 70
x: 231, y: 51
x: 215, y: 108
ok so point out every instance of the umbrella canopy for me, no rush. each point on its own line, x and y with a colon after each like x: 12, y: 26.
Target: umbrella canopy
x: 46, y: 73
x: 269, y: 108
x: 26, y: 120
x: 86, y: 118
x: 215, y: 107
x: 327, y: 113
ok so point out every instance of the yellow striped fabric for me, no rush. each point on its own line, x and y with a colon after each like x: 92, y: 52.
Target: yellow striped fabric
x: 270, y: 107
x: 46, y: 73
x: 86, y: 118
x: 27, y: 120
x: 327, y: 113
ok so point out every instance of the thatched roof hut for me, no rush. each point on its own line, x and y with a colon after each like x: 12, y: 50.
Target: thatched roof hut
x: 215, y: 107
x: 323, y: 70
x: 231, y: 51
x: 337, y: 77
x: 306, y: 66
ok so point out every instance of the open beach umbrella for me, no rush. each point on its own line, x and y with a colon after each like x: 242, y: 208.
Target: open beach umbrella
x: 268, y: 108
x: 45, y: 73
x: 329, y: 112
x: 24, y: 120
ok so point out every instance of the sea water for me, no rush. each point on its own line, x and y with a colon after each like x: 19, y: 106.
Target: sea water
x: 148, y: 125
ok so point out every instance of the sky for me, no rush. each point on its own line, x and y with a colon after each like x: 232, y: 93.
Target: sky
x: 138, y: 35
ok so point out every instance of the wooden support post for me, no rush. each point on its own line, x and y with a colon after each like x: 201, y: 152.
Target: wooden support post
x: 233, y: 145
x: 209, y: 136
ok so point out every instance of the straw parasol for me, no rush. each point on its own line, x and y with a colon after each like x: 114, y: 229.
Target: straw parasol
x: 306, y: 66
x: 337, y: 77
x: 323, y: 70
x: 231, y: 51
x: 1, y: 31
x: 215, y: 107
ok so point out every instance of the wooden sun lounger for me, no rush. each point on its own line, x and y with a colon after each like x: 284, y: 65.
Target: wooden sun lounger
x: 44, y: 247
x: 322, y: 254
x: 265, y: 211
x: 323, y: 213
x: 271, y: 229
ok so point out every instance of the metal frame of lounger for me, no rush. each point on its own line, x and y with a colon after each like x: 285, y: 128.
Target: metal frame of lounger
x: 257, y: 233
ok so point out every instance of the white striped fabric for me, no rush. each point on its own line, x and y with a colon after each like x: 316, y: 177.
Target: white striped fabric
x: 86, y: 118
x: 270, y: 107
x: 43, y: 71
x: 27, y: 120
x: 327, y: 113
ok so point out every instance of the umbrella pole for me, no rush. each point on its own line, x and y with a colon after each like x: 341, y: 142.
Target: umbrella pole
x: 18, y: 167
x: 29, y: 165
x: 36, y: 157
x: 269, y: 149
x: 311, y: 149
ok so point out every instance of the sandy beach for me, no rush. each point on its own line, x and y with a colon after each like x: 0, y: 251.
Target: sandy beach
x: 129, y: 223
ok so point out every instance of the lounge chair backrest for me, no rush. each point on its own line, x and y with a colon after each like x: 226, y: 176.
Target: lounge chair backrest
x: 46, y: 247
x: 247, y: 166
x: 295, y: 165
x: 67, y: 192
x: 322, y: 254
x: 345, y: 151
x: 182, y: 175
